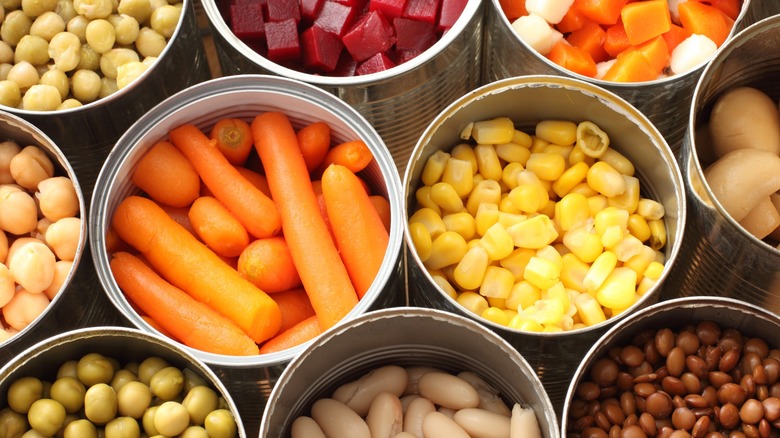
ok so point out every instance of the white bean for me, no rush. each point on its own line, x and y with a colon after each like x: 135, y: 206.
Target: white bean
x: 489, y: 397
x: 359, y: 394
x: 385, y: 416
x: 438, y: 425
x: 415, y: 413
x: 744, y: 117
x: 523, y: 423
x: 480, y: 423
x: 447, y: 390
x: 414, y: 374
x: 338, y: 420
x: 306, y: 427
x: 762, y: 219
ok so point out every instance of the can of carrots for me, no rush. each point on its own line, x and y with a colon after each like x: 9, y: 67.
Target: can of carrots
x: 527, y: 251
x: 731, y: 250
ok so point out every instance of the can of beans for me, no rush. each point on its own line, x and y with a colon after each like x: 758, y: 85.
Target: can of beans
x: 721, y: 255
x: 662, y: 100
x: 26, y: 313
x: 704, y: 366
x: 398, y: 102
x: 406, y: 338
x: 526, y: 101
x: 79, y: 358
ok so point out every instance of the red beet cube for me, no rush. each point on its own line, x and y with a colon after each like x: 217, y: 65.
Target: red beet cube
x: 370, y: 35
x: 389, y: 8
x: 375, y: 64
x: 310, y: 9
x: 246, y: 20
x: 335, y: 17
x: 359, y: 4
x: 450, y: 12
x: 402, y: 56
x: 281, y: 10
x: 282, y: 40
x: 423, y: 10
x: 346, y: 65
x: 320, y: 49
x: 413, y: 34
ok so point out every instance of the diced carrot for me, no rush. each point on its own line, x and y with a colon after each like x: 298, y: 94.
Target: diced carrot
x: 702, y: 19
x: 573, y: 59
x: 513, y: 9
x: 728, y: 7
x: 590, y: 38
x: 630, y: 66
x: 616, y: 40
x: 645, y: 20
x: 571, y: 21
x: 675, y: 36
x: 656, y: 52
x: 601, y: 11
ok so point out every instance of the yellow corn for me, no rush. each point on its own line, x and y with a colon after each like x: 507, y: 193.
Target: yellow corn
x: 578, y: 156
x: 557, y: 149
x: 496, y: 316
x: 548, y: 167
x: 637, y: 226
x: 458, y: 174
x: 509, y: 174
x: 421, y: 239
x: 465, y: 133
x: 572, y: 176
x: 596, y: 203
x: 488, y: 163
x: 591, y: 139
x: 584, y: 189
x: 523, y: 294
x: 560, y: 247
x: 572, y: 311
x: 538, y: 145
x: 629, y: 199
x: 496, y: 302
x: 557, y: 292
x: 534, y: 233
x: 507, y: 206
x: 583, y: 243
x: 611, y: 236
x: 485, y: 191
x: 650, y: 277
x: 497, y: 283
x: 650, y: 209
x: 529, y: 198
x: 494, y: 131
x: 423, y: 196
x: 486, y: 216
x: 599, y: 270
x: 542, y: 273
x: 589, y: 310
x: 608, y: 217
x: 571, y: 210
x: 477, y: 178
x: 549, y: 211
x: 639, y: 262
x: 618, y: 290
x: 434, y: 167
x: 628, y: 247
x: 561, y: 132
x: 470, y: 271
x: 446, y: 250
x: 521, y: 323
x: 660, y: 257
x: 517, y: 261
x: 546, y: 312
x: 461, y: 223
x: 522, y: 138
x: 618, y: 161
x: 657, y: 233
x: 513, y: 153
x: 465, y: 152
x: 497, y: 242
x: 509, y: 314
x: 573, y: 271
x: 603, y: 178
x: 473, y: 302
x: 441, y: 281
x: 445, y: 196
x: 430, y: 219
x: 508, y: 219
x: 472, y: 243
x: 550, y: 253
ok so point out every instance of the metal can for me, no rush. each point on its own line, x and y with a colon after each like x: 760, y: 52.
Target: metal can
x: 404, y: 337
x: 399, y: 102
x: 719, y: 257
x: 528, y: 100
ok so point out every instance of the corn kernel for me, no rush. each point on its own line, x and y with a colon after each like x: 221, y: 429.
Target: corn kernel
x: 445, y: 196
x: 497, y: 242
x: 523, y: 295
x: 523, y: 324
x: 538, y: 145
x: 517, y: 261
x: 485, y: 191
x: 542, y: 273
x: 465, y: 152
x: 608, y: 217
x: 618, y: 161
x: 657, y: 233
x: 584, y: 189
x: 431, y: 219
x: 561, y: 248
x: 550, y: 253
x: 534, y: 233
x: 557, y: 292
x: 486, y: 217
x: 507, y: 206
x: 618, y: 290
x: 572, y: 311
x: 458, y: 174
x: 529, y: 198
x: 522, y: 138
x: 545, y: 311
x: 629, y: 199
x: 611, y: 236
x: 446, y: 249
x: 487, y: 161
x: 494, y: 131
x: 639, y: 262
x: 496, y: 316
x: 628, y: 247
x: 589, y: 310
x: 549, y: 211
x: 591, y: 139
x: 599, y: 270
x: 653, y: 270
x: 421, y: 239
x: 650, y: 209
x: 561, y: 132
x: 637, y: 226
x: 561, y: 150
x: 465, y: 133
x: 477, y: 178
x: 596, y: 203
x: 513, y: 153
x: 441, y: 281
x: 548, y: 167
x: 572, y: 210
x: 570, y: 178
x: 583, y: 243
x: 551, y: 328
x: 577, y: 155
x: 473, y: 302
x: 509, y: 174
x: 461, y: 223
x: 470, y: 270
x: 508, y: 219
x: 472, y: 243
x: 573, y: 271
x: 496, y: 302
x: 497, y: 283
x: 603, y: 178
x: 434, y: 168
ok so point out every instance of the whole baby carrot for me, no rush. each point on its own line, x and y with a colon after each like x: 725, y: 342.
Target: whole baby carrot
x: 217, y: 227
x: 314, y: 141
x: 305, y: 330
x: 295, y: 307
x: 187, y: 320
x: 166, y: 175
x: 188, y: 264
x: 354, y: 155
x: 234, y: 139
x: 315, y: 255
x: 256, y: 211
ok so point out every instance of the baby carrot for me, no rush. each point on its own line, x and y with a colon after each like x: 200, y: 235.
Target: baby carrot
x: 191, y: 322
x: 257, y: 179
x: 267, y: 264
x: 354, y: 155
x: 383, y: 208
x: 321, y: 270
x: 304, y: 331
x: 180, y: 215
x: 167, y: 176
x: 188, y: 264
x: 360, y: 235
x: 234, y: 139
x: 295, y: 307
x: 217, y: 227
x: 314, y: 141
x: 256, y: 211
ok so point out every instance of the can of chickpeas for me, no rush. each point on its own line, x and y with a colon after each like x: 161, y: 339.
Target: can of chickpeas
x: 692, y: 365
x: 731, y: 248
x: 392, y: 350
x: 477, y: 260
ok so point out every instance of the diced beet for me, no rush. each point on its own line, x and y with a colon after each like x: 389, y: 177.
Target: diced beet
x: 389, y: 8
x: 320, y: 49
x: 413, y: 34
x: 346, y: 66
x: 375, y: 64
x: 370, y: 35
x: 402, y: 56
x: 310, y: 9
x: 282, y: 40
x: 335, y: 17
x: 281, y: 10
x: 450, y: 12
x: 359, y: 4
x: 424, y: 10
x: 246, y: 20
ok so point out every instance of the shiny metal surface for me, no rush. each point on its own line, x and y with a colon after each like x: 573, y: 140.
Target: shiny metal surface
x: 527, y: 100
x: 404, y: 337
x: 718, y: 256
x: 399, y: 103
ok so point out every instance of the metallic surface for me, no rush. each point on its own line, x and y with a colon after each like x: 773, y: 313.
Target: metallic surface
x: 404, y: 337
x: 528, y: 100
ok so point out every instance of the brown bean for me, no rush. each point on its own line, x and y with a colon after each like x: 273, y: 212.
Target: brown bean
x: 771, y: 408
x: 749, y: 361
x: 703, y: 412
x: 772, y: 368
x: 588, y: 391
x: 594, y: 432
x: 632, y: 356
x: 696, y: 365
x: 614, y: 431
x: 646, y: 378
x: 711, y: 394
x: 701, y: 427
x: 675, y: 361
x: 680, y: 434
x: 683, y: 418
x: 759, y: 375
x: 764, y: 428
x: 728, y: 360
x: 692, y: 383
x: 678, y: 402
x: 611, y: 408
x: 651, y: 353
x: 583, y: 423
x: 719, y: 378
x: 578, y: 408
x: 624, y: 381
x: 601, y: 420
x: 730, y: 343
x: 633, y: 431
x: 688, y: 341
x: 712, y: 357
x: 609, y: 392
x: 708, y: 332
x: 673, y: 386
x: 731, y: 393
x: 627, y: 403
x: 644, y: 389
x: 659, y: 405
x: 749, y: 431
x: 762, y: 392
x: 604, y: 372
x: 751, y: 412
x: 728, y: 416
x: 642, y: 369
x: 748, y: 383
x: 696, y: 401
x: 664, y: 341
x: 630, y: 420
x: 665, y: 432
x: 647, y: 423
x: 757, y: 346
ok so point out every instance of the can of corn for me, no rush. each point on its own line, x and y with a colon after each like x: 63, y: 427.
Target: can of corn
x: 527, y: 101
x: 720, y: 256
x: 404, y: 337
x: 398, y: 102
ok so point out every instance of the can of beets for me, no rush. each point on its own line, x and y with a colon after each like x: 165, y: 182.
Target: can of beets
x: 400, y: 98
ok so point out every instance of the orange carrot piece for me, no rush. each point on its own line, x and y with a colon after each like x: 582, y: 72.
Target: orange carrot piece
x: 156, y: 325
x: 656, y: 52
x: 314, y: 141
x: 354, y: 155
x: 513, y: 9
x: 304, y: 331
x: 295, y: 307
x: 234, y: 139
x: 191, y: 322
x: 257, y: 179
x: 590, y: 37
x: 571, y: 21
x: 731, y: 8
x: 167, y: 176
x: 115, y: 243
x: 181, y: 215
x: 268, y: 264
x: 256, y: 211
x: 616, y: 40
x: 573, y: 59
x: 319, y: 265
x: 217, y: 227
x: 630, y: 66
x: 601, y: 11
x: 324, y: 214
x: 675, y: 36
x: 188, y: 264
x: 360, y: 234
x: 644, y: 20
x: 382, y: 206
x: 706, y: 20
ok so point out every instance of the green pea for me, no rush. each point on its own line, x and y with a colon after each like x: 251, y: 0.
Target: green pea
x: 23, y: 393
x: 46, y: 416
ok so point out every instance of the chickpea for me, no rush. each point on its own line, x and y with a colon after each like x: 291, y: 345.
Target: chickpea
x: 6, y: 53
x: 32, y: 266
x: 7, y: 285
x: 78, y: 26
x: 31, y: 166
x: 194, y: 432
x: 3, y: 247
x: 24, y: 308
x: 171, y: 418
x: 128, y: 73
x: 57, y: 198
x: 94, y: 9
x: 114, y: 58
x: 69, y: 104
x: 149, y: 42
x: 23, y: 392
x: 24, y: 74
x: 121, y: 378
x: 167, y: 383
x: 35, y: 8
x: 89, y: 59
x: 125, y: 28
x: 69, y: 391
x: 165, y: 19
x: 81, y: 428
x: 41, y: 97
x: 57, y: 79
x: 138, y: 9
x: 32, y: 49
x: 61, y: 272
x: 46, y: 416
x: 122, y: 427
x: 4, y: 69
x: 10, y: 94
x: 100, y: 403
x: 107, y: 87
x: 220, y: 424
x: 63, y: 237
x: 47, y: 25
x: 94, y: 368
x: 86, y: 85
x: 8, y: 149
x: 100, y: 35
x: 12, y: 423
x: 65, y: 10
x: 65, y: 50
x: 18, y: 212
x: 16, y: 25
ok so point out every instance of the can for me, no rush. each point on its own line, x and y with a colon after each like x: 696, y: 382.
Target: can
x: 405, y: 337
x: 399, y: 102
x: 719, y: 257
x: 661, y: 100
x: 528, y: 100
x: 675, y: 314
